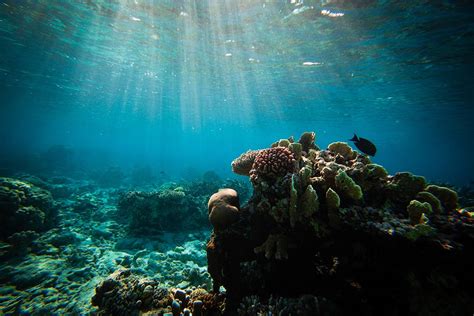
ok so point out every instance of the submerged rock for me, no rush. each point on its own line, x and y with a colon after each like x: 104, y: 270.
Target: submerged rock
x: 25, y: 207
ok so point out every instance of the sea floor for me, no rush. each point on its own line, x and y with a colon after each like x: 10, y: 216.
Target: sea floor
x: 58, y: 272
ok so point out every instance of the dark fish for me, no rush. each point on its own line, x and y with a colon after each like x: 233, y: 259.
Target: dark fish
x: 364, y: 145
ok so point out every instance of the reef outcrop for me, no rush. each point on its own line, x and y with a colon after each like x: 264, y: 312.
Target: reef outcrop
x: 25, y: 210
x: 328, y: 232
x: 175, y: 207
x: 335, y: 226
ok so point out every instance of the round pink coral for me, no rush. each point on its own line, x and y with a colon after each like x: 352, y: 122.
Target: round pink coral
x: 272, y: 163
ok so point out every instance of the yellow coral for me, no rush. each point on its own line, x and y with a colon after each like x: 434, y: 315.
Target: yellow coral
x: 309, y: 202
x: 293, y: 202
x: 332, y: 199
x: 342, y: 149
x: 284, y: 143
x: 333, y: 202
x: 296, y: 149
x: 416, y: 210
x: 448, y: 197
x: 432, y: 200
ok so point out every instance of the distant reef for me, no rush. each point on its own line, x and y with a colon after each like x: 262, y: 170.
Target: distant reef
x: 25, y: 211
x: 326, y: 232
x: 172, y: 207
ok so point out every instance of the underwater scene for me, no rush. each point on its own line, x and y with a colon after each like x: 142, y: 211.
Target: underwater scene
x: 236, y: 157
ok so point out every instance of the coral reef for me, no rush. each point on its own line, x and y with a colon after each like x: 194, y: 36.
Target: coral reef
x: 326, y: 232
x: 24, y: 207
x: 447, y: 197
x: 123, y: 293
x: 331, y: 222
x: 53, y: 271
x: 163, y: 210
x: 173, y: 207
x: 272, y: 163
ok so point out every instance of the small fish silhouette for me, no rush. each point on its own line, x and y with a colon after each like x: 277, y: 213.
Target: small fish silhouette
x: 364, y: 145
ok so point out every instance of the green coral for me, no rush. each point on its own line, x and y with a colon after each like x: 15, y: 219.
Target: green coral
x: 432, y: 200
x: 284, y: 143
x: 447, y: 197
x: 347, y: 186
x: 296, y: 149
x: 404, y: 186
x: 375, y: 171
x: 420, y: 230
x: 25, y: 207
x: 416, y: 209
x: 307, y: 140
x: 293, y: 208
x: 305, y: 174
x: 309, y: 202
x: 333, y: 202
x: 342, y: 149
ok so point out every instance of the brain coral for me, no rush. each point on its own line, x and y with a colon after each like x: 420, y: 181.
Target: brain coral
x: 272, y: 163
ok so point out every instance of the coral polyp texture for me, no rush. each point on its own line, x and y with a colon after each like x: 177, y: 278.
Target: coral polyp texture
x: 328, y: 232
x: 272, y: 163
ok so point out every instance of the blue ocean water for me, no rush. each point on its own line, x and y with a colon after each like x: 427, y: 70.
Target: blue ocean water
x: 120, y: 118
x: 181, y: 85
